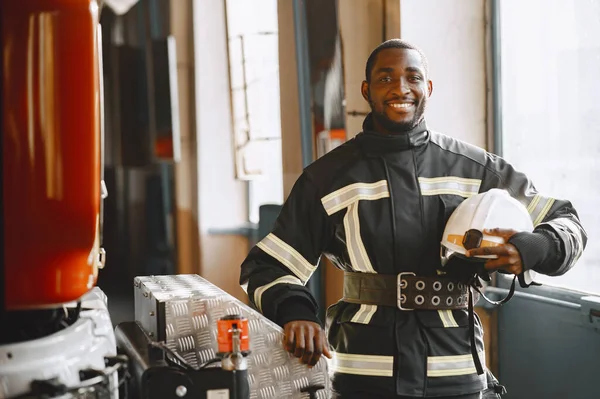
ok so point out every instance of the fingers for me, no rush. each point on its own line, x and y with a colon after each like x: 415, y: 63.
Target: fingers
x: 510, y: 261
x: 501, y: 250
x: 289, y: 338
x: 324, y: 345
x: 321, y: 347
x: 504, y: 233
x: 307, y: 341
x: 326, y: 350
x: 309, y: 347
x: 300, y: 343
x: 508, y: 257
x: 509, y: 264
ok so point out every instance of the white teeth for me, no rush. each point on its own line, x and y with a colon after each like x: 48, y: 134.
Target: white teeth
x: 402, y: 105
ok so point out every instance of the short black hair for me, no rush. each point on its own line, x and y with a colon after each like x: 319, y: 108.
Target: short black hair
x: 393, y: 43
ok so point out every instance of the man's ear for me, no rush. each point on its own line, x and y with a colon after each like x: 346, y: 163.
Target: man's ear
x: 364, y: 89
x: 430, y: 87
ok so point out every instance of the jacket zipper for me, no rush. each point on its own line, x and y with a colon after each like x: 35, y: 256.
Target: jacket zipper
x: 394, y: 258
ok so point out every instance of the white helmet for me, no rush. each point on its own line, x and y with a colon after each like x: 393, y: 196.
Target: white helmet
x: 492, y: 209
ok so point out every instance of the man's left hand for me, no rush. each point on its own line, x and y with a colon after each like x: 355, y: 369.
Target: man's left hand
x: 509, y: 258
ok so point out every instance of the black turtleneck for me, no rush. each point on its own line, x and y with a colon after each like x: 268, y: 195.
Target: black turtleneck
x: 374, y: 142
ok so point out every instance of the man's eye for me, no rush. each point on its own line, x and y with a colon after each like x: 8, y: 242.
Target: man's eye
x: 385, y: 79
x: 415, y: 78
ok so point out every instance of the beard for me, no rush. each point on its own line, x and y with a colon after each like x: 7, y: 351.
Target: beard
x: 399, y: 127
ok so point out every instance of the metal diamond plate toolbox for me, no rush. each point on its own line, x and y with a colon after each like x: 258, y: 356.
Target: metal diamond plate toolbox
x: 182, y: 310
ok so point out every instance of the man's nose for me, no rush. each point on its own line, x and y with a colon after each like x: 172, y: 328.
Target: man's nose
x: 402, y: 87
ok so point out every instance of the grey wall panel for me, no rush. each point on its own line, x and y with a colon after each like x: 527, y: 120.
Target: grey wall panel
x: 547, y: 352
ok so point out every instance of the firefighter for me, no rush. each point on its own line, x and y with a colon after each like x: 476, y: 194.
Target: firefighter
x: 377, y: 207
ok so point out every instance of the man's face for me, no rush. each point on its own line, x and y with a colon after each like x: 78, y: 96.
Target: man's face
x: 398, y: 90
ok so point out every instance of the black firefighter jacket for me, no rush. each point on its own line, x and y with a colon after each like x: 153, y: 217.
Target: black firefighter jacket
x: 379, y: 204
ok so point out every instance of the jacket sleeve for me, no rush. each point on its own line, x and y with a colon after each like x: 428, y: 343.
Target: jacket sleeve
x: 558, y: 238
x: 276, y: 270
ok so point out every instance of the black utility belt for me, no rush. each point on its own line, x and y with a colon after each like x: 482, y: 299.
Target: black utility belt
x: 406, y: 291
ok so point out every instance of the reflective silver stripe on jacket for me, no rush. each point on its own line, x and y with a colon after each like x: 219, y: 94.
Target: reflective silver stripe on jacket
x: 364, y: 314
x: 288, y: 256
x: 539, y: 207
x: 447, y: 318
x: 352, y: 193
x: 575, y: 237
x: 373, y: 365
x: 356, y: 249
x: 350, y: 197
x: 258, y: 293
x: 447, y: 366
x: 449, y: 185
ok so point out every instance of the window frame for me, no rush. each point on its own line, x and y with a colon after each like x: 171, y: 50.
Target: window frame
x: 548, y: 292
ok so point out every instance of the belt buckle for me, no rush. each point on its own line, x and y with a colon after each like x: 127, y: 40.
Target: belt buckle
x: 400, y: 295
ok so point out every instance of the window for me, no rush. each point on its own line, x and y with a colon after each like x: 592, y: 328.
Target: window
x: 254, y: 76
x: 550, y: 88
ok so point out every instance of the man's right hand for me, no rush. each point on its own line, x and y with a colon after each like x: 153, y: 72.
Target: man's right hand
x: 305, y: 340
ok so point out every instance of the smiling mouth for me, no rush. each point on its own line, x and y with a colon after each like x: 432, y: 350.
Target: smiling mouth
x: 402, y: 107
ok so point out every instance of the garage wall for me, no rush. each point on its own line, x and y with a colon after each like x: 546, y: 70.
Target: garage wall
x: 452, y: 35
x: 222, y: 200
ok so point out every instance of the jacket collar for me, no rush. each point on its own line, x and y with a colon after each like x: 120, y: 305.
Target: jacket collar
x: 373, y: 142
